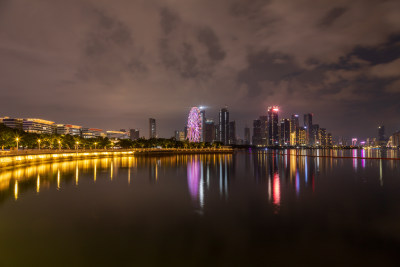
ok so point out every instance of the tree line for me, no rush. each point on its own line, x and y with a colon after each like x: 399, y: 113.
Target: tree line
x: 9, y: 138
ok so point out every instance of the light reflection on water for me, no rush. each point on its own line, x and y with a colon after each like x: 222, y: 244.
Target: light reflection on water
x: 253, y: 199
x: 276, y: 168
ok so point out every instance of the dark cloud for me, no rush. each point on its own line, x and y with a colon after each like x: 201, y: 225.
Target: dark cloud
x: 169, y: 20
x: 108, y: 50
x: 383, y: 53
x: 266, y: 66
x: 209, y: 39
x: 331, y: 16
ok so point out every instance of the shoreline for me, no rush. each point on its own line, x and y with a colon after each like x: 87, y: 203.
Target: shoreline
x: 26, y: 157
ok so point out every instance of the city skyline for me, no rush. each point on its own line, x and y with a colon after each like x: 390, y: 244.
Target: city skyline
x: 104, y: 68
x: 268, y: 130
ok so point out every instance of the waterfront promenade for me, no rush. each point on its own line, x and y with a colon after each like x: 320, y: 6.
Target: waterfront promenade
x: 21, y: 157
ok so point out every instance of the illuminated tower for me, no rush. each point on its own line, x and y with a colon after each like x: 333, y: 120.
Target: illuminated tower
x: 272, y: 126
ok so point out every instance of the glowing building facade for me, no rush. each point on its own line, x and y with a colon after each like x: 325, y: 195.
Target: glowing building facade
x: 194, y: 124
x: 272, y: 126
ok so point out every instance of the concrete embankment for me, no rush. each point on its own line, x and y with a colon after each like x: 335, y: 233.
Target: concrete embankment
x: 9, y: 159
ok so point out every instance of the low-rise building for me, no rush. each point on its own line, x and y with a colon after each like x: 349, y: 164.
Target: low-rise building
x: 15, y: 123
x: 92, y: 133
x: 179, y: 135
x: 117, y: 135
x: 68, y: 129
x: 39, y: 126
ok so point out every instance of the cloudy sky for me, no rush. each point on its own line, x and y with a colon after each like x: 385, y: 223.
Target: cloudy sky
x: 114, y: 64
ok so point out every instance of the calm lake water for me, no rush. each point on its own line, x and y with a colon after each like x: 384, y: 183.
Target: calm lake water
x: 250, y: 208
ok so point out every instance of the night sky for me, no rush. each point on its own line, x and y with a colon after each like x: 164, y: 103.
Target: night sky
x: 114, y: 64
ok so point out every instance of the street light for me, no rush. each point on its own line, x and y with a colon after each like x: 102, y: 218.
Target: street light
x: 77, y: 145
x: 17, y: 140
x: 59, y: 145
x: 95, y: 144
x: 39, y: 143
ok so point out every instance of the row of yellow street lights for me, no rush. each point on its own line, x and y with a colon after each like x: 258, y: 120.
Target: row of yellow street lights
x: 59, y: 144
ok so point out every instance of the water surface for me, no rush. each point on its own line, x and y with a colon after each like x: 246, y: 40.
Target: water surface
x: 255, y: 207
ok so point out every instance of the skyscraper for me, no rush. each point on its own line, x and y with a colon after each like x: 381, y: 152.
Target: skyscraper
x: 264, y: 130
x: 209, y: 131
x: 315, y: 134
x: 381, y: 133
x: 152, y: 128
x: 203, y: 121
x: 294, y: 130
x: 322, y: 136
x: 232, y: 133
x: 308, y: 127
x: 257, y: 134
x: 246, y: 135
x: 329, y: 141
x: 223, y: 127
x: 285, y: 132
x: 272, y: 126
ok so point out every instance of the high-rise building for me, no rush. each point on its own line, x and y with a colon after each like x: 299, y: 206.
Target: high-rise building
x: 302, y: 136
x: 246, y: 135
x: 329, y: 141
x: 257, y: 133
x: 294, y: 130
x: 134, y: 134
x: 394, y: 140
x: 209, y: 130
x: 264, y: 130
x: 308, y: 127
x: 285, y: 132
x: 223, y: 127
x: 203, y: 121
x: 381, y: 133
x: 152, y: 128
x: 322, y: 136
x: 315, y: 135
x: 232, y: 133
x: 272, y: 126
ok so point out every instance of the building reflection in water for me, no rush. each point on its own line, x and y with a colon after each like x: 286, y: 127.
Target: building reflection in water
x: 363, y: 158
x: 279, y: 174
x: 277, y: 191
x: 193, y: 176
x: 354, y: 151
